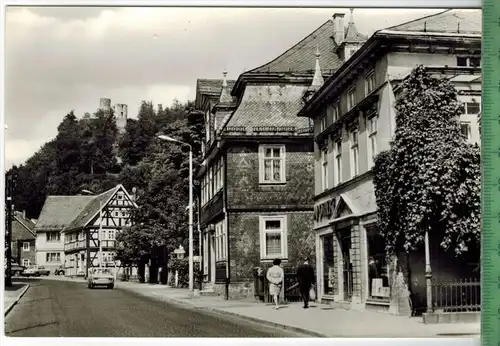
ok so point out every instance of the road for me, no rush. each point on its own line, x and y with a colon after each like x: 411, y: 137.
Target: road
x: 60, y: 308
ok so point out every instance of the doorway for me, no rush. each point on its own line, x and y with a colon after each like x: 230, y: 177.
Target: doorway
x: 344, y: 237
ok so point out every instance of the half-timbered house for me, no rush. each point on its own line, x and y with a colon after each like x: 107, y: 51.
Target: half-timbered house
x: 102, y: 218
x: 70, y: 228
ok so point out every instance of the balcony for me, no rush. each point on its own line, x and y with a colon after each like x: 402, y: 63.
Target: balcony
x: 74, y: 245
x: 81, y: 244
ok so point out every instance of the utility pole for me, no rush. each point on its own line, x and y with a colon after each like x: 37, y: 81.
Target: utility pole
x: 8, y: 231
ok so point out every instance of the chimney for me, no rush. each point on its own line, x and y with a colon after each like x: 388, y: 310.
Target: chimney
x: 338, y: 28
x: 24, y: 214
x: 134, y: 193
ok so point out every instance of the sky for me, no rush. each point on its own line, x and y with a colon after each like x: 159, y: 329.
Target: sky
x: 61, y: 59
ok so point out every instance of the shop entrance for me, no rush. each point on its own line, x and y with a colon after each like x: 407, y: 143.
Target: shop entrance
x: 344, y: 237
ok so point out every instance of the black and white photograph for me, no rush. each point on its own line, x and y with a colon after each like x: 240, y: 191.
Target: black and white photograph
x: 242, y: 172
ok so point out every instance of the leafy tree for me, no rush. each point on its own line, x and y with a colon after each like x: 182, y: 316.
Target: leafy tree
x: 430, y: 177
x: 139, y: 134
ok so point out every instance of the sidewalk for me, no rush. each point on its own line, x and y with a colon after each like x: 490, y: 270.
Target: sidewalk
x: 320, y: 320
x: 11, y: 295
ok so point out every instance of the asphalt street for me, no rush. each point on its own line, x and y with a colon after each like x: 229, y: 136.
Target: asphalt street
x: 70, y: 309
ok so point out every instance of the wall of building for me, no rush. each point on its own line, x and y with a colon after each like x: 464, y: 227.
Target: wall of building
x: 244, y: 242
x: 29, y: 254
x: 43, y: 247
x: 244, y: 190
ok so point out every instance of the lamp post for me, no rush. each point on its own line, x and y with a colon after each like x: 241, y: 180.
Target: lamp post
x: 100, y: 228
x: 190, y: 206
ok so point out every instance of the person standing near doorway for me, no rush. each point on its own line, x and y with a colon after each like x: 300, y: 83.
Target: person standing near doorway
x: 275, y: 276
x: 305, y: 277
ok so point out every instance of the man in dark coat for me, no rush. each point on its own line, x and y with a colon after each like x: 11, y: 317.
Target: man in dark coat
x: 305, y: 277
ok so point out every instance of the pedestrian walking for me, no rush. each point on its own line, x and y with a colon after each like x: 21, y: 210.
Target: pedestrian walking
x: 275, y: 276
x: 305, y: 278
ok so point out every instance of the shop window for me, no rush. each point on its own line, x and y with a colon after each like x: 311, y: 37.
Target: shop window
x: 328, y: 264
x: 378, y: 276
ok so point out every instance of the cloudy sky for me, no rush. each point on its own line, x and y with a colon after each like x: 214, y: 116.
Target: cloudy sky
x: 59, y: 59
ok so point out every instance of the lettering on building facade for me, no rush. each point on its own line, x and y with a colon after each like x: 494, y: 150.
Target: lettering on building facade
x: 324, y: 210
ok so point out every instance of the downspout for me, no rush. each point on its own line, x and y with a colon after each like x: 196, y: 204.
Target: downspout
x: 226, y: 221
x: 200, y: 239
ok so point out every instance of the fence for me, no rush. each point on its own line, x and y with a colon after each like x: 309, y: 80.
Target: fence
x: 290, y: 287
x: 457, y: 296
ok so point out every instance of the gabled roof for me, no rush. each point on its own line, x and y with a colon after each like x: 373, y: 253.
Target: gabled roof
x: 59, y: 211
x: 212, y: 87
x: 22, y: 228
x: 92, y: 208
x: 300, y: 57
x: 270, y: 105
x: 449, y: 21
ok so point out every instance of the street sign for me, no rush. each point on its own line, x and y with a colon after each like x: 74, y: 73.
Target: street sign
x: 490, y: 155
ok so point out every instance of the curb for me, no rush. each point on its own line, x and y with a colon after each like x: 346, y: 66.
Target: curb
x: 9, y: 308
x: 182, y: 303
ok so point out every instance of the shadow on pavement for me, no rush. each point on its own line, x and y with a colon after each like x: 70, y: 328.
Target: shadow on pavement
x: 15, y: 286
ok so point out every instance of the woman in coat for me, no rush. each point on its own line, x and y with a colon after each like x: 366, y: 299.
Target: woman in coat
x: 275, y: 276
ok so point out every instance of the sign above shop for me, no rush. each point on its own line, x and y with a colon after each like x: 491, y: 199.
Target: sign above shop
x: 324, y: 210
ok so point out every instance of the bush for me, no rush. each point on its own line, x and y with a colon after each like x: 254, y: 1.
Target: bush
x: 182, y: 266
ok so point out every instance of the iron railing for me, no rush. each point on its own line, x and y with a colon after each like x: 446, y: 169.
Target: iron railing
x: 461, y: 295
x: 290, y: 287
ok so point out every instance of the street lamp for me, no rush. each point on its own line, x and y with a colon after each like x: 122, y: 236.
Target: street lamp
x: 100, y: 227
x: 190, y: 206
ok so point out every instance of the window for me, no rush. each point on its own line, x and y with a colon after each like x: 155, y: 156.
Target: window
x: 465, y: 128
x: 322, y: 124
x: 205, y: 254
x: 377, y: 266
x: 272, y: 164
x: 220, y: 241
x: 273, y: 241
x: 472, y: 107
x: 337, y: 176
x: 210, y: 183
x: 53, y: 257
x: 328, y: 264
x: 336, y: 112
x: 26, y: 262
x: 372, y: 139
x: 26, y: 246
x: 53, y: 236
x: 351, y: 99
x: 324, y: 169
x: 111, y: 234
x: 469, y: 61
x: 354, y: 153
x: 369, y: 83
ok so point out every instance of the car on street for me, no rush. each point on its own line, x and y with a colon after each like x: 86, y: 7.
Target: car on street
x: 60, y: 271
x: 36, y: 271
x: 101, y: 277
x: 15, y: 268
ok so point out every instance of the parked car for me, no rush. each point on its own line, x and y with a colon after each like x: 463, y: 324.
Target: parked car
x: 101, y: 277
x: 36, y: 271
x: 60, y: 271
x: 15, y: 269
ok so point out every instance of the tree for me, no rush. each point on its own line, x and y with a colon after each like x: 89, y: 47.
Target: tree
x: 429, y: 180
x: 162, y: 179
x: 139, y: 134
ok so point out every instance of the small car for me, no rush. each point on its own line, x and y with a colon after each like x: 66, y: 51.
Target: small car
x: 35, y: 271
x: 101, y: 277
x: 60, y: 271
x: 15, y: 269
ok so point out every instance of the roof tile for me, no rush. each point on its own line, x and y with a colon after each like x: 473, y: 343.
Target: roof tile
x: 270, y: 105
x: 300, y: 58
x: 449, y: 21
x: 59, y: 211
